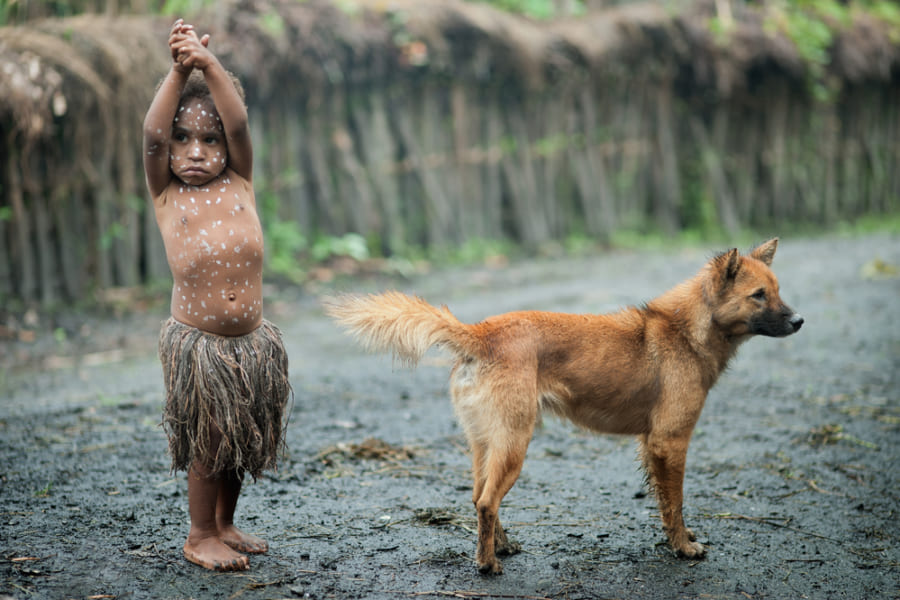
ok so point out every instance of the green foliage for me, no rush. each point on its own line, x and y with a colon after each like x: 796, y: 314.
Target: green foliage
x: 558, y: 143
x: 284, y: 243
x: 350, y: 8
x: 471, y: 251
x: 350, y: 244
x: 869, y: 224
x: 809, y: 25
x: 290, y: 253
x: 889, y: 12
x: 720, y: 29
x: 16, y: 12
x: 536, y: 9
x: 114, y: 232
x: 698, y: 208
x: 45, y: 491
x: 812, y: 25
x: 579, y: 244
x: 13, y: 11
x: 178, y: 8
x: 272, y: 23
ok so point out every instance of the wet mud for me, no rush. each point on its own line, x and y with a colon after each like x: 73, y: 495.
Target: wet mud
x: 792, y: 476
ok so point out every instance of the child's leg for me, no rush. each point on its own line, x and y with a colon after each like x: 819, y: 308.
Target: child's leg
x: 225, y: 507
x: 204, y: 545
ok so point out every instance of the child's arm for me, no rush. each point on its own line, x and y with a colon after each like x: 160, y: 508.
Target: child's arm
x: 159, y: 118
x: 193, y: 53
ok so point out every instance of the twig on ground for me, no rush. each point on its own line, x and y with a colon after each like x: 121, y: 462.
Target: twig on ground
x: 774, y: 523
x: 469, y: 594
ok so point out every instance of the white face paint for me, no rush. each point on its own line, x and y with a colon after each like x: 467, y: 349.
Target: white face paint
x: 198, y: 148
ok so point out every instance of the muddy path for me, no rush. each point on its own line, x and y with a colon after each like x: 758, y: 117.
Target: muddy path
x: 792, y: 474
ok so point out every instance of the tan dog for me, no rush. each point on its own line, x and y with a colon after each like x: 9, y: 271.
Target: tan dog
x: 642, y: 371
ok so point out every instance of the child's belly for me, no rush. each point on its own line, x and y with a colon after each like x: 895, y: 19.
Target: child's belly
x: 218, y: 279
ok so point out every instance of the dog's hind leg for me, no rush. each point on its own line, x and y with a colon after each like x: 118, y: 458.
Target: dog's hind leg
x: 664, y: 458
x: 502, y: 545
x: 501, y: 469
x: 497, y: 406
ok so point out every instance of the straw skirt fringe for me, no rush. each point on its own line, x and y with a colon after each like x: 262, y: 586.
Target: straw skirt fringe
x: 237, y: 386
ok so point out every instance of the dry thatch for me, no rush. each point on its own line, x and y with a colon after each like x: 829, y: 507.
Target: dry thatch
x: 57, y: 69
x: 289, y: 47
x: 378, y: 40
x: 286, y: 47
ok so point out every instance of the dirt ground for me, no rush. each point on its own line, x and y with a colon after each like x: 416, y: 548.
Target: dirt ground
x: 792, y: 479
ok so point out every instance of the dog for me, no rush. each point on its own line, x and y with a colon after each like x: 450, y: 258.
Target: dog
x: 643, y: 371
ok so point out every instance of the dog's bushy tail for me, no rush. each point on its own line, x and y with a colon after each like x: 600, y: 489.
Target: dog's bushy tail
x: 406, y: 325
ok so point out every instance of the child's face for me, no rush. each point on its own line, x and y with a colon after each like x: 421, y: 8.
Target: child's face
x: 198, y: 152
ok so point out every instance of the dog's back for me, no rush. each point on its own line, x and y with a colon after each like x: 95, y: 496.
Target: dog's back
x: 591, y: 369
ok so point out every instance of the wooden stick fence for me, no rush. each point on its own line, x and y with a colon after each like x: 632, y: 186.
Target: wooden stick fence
x: 431, y: 155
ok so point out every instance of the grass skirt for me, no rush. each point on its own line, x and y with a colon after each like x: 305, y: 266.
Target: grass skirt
x: 237, y: 386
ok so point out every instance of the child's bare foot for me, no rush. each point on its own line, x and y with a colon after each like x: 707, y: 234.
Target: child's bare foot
x: 243, y: 542
x: 210, y: 553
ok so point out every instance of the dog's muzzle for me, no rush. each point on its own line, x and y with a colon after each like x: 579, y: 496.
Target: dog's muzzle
x: 776, y: 323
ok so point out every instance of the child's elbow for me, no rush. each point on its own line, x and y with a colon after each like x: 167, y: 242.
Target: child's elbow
x: 154, y: 134
x: 155, y: 142
x: 238, y: 124
x: 238, y: 132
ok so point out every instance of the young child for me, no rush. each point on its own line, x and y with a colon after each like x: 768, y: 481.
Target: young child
x: 225, y: 367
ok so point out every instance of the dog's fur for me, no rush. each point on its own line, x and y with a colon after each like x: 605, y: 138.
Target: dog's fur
x: 642, y: 371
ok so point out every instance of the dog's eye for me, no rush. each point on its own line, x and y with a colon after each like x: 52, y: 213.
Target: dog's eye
x: 759, y: 295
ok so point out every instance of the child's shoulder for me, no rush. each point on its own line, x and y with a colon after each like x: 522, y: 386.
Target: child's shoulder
x: 231, y: 182
x: 231, y: 177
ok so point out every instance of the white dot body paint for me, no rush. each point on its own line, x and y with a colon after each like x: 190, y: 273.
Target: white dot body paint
x: 212, y: 233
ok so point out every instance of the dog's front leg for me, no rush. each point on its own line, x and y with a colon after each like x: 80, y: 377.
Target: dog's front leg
x: 664, y: 457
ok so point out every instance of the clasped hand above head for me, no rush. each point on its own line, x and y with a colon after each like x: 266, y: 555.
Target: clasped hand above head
x: 189, y: 51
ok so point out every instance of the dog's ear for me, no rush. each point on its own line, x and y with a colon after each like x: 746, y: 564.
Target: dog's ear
x: 765, y: 252
x: 726, y: 267
x: 731, y: 264
x: 722, y: 270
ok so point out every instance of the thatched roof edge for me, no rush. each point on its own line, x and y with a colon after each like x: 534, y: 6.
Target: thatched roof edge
x: 286, y: 49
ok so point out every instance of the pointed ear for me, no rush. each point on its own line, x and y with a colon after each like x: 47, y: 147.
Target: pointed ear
x: 721, y: 271
x: 727, y: 265
x: 765, y: 252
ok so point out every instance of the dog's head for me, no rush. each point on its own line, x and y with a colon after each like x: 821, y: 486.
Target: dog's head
x: 742, y: 292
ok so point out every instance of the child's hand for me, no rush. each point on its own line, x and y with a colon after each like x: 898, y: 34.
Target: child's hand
x: 179, y: 29
x: 188, y: 51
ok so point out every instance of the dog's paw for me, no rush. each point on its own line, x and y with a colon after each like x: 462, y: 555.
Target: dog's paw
x: 508, y: 548
x: 491, y: 567
x: 690, y: 549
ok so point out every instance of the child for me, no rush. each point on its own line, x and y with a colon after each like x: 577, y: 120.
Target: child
x: 225, y: 367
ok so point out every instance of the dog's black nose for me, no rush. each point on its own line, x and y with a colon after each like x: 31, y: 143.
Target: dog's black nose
x: 796, y: 322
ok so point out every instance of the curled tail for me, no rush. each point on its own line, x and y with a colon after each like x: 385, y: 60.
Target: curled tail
x: 406, y: 325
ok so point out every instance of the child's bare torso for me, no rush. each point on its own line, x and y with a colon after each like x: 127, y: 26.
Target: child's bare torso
x: 214, y: 245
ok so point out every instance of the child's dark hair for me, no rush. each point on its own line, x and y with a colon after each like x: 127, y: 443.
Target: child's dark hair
x: 196, y: 87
